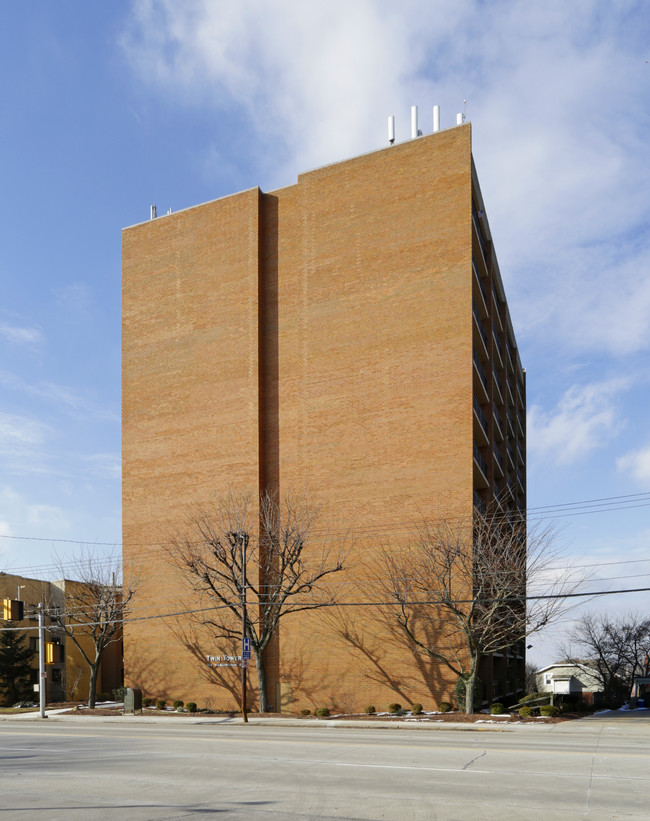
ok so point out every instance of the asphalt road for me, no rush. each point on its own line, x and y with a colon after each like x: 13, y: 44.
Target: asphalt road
x: 177, y: 769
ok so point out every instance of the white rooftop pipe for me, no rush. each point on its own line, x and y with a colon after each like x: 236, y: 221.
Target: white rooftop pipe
x: 391, y: 129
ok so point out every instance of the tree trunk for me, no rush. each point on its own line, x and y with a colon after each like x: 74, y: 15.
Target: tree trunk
x: 92, y: 685
x: 470, y: 683
x: 261, y: 680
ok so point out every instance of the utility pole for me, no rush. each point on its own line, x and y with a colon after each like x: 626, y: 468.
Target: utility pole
x: 244, y: 662
x: 42, y: 681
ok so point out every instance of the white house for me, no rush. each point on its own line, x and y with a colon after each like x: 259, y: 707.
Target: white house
x: 569, y: 678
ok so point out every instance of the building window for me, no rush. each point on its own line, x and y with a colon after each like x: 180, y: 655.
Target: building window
x: 56, y: 676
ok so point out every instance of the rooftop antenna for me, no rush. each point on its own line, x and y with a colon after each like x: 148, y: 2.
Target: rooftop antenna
x: 415, y: 131
x: 153, y: 212
x: 436, y: 118
x: 391, y: 129
x: 464, y: 110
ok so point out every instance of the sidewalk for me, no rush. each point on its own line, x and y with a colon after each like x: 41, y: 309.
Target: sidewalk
x: 638, y: 720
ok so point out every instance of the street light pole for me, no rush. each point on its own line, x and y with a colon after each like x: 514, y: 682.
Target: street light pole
x: 244, y: 662
x: 41, y: 661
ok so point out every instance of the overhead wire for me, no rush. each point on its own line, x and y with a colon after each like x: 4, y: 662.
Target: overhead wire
x: 418, y: 602
x: 533, y: 515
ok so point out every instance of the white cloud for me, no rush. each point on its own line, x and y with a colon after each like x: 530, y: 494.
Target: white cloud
x: 19, y: 515
x: 104, y: 465
x: 47, y: 517
x: 74, y: 401
x: 21, y: 335
x: 585, y: 419
x: 637, y: 462
x: 553, y: 90
x: 317, y: 78
x: 19, y: 431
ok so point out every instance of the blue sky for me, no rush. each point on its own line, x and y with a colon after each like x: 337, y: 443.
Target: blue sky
x: 107, y: 108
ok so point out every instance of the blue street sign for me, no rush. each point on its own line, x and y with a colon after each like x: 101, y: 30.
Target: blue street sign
x: 246, y: 646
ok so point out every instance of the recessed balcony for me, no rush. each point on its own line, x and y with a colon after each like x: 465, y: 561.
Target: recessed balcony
x: 480, y: 337
x: 480, y: 469
x: 498, y: 463
x: 498, y: 396
x: 480, y: 295
x: 481, y: 425
x: 481, y: 388
x: 477, y: 236
x: 498, y: 349
x: 498, y: 430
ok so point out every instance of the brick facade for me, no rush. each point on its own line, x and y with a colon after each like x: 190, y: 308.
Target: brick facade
x: 317, y: 339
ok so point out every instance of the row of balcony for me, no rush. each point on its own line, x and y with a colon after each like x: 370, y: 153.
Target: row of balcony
x: 483, y: 347
x: 516, y: 457
x: 483, y: 389
x: 504, y: 352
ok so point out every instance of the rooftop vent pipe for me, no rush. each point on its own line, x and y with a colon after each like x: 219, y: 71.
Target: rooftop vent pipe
x: 459, y: 119
x: 391, y: 129
x: 153, y: 212
x: 414, y: 122
x: 436, y: 118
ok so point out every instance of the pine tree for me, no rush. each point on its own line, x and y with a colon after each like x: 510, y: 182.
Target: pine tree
x: 15, y: 664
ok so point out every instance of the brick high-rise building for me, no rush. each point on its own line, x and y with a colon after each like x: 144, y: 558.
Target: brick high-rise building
x: 348, y: 337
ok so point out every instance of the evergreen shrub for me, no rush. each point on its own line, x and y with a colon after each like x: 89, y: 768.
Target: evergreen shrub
x: 548, y: 710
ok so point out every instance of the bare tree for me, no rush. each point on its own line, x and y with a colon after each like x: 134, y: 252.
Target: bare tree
x: 613, y: 649
x: 288, y: 568
x: 459, y: 589
x: 530, y: 678
x: 90, y: 609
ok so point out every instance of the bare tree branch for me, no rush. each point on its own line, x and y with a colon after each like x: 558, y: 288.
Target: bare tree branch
x: 612, y: 649
x: 91, y: 608
x: 473, y: 577
x: 207, y: 550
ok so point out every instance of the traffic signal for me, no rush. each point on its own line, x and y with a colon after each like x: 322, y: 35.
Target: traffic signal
x: 52, y: 652
x: 13, y: 610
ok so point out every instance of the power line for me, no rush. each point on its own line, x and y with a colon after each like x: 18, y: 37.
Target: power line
x: 543, y: 512
x: 513, y: 599
x: 534, y: 514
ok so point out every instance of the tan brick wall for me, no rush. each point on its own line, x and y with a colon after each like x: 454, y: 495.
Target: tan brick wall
x: 375, y: 413
x: 317, y: 339
x: 190, y: 404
